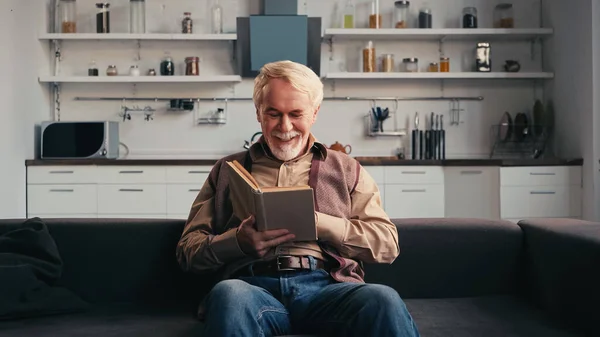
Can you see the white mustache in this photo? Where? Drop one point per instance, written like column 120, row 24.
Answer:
column 285, row 136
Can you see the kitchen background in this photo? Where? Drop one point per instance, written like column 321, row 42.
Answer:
column 177, row 135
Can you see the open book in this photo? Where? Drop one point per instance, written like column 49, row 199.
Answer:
column 291, row 208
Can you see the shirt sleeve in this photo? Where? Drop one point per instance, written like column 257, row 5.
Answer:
column 200, row 249
column 369, row 235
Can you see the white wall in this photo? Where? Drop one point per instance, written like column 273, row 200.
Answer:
column 596, row 113
column 175, row 135
column 23, row 100
column 571, row 55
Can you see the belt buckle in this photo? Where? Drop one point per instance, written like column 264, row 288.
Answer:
column 279, row 263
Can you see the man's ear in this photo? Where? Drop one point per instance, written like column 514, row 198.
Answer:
column 317, row 109
column 258, row 115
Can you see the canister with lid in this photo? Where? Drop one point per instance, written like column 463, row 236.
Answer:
column 504, row 16
column 483, row 55
column 401, row 14
column 192, row 66
column 411, row 64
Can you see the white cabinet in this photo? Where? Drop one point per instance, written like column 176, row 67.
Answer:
column 414, row 191
column 472, row 192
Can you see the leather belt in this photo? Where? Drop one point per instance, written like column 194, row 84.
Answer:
column 287, row 263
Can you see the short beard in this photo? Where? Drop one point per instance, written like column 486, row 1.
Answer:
column 288, row 151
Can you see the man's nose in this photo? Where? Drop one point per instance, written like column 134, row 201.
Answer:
column 286, row 124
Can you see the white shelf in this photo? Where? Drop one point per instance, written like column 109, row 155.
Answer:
column 150, row 37
column 426, row 75
column 489, row 34
column 141, row 79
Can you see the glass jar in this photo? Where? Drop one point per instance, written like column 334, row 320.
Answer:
column 401, row 14
column 469, row 17
column 68, row 16
column 444, row 64
column 425, row 17
column 151, row 72
column 112, row 70
column 217, row 18
column 349, row 13
column 504, row 16
column 134, row 70
column 137, row 16
column 187, row 24
column 433, row 67
column 375, row 17
column 387, row 63
column 368, row 54
column 191, row 66
column 411, row 65
column 93, row 69
column 103, row 18
column 167, row 67
column 483, row 55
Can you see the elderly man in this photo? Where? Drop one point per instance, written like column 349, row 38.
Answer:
column 322, row 290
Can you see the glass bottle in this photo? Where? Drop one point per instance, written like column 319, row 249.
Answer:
column 469, row 17
column 103, row 18
column 369, row 58
column 401, row 14
column 137, row 16
column 349, row 13
column 187, row 23
column 217, row 18
column 375, row 17
column 68, row 13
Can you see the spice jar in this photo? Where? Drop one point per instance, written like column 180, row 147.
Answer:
column 167, row 68
column 469, row 17
column 387, row 63
column 411, row 65
column 444, row 64
column 401, row 13
column 93, row 69
column 151, row 72
column 191, row 66
column 433, row 67
column 504, row 16
column 112, row 70
column 187, row 24
column 369, row 58
column 425, row 17
column 375, row 17
column 103, row 18
column 68, row 13
column 134, row 70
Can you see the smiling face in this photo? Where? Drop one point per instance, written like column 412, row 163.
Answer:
column 286, row 116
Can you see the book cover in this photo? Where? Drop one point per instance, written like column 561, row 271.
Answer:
column 291, row 208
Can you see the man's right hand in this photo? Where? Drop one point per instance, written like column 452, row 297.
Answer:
column 255, row 243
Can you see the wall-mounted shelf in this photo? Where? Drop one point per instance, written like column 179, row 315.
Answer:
column 141, row 79
column 432, row 75
column 148, row 37
column 489, row 34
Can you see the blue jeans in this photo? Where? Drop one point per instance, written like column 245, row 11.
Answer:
column 307, row 302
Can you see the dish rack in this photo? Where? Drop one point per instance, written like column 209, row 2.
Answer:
column 528, row 145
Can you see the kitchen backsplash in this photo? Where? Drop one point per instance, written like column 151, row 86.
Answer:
column 176, row 134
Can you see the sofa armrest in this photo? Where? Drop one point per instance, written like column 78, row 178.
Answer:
column 446, row 257
column 563, row 267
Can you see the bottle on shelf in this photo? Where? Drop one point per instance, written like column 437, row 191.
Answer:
column 93, row 69
column 217, row 18
column 368, row 56
column 375, row 17
column 103, row 18
column 137, row 16
column 401, row 13
column 349, row 13
column 425, row 17
column 187, row 24
column 469, row 17
column 68, row 13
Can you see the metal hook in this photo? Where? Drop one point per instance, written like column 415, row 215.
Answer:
column 395, row 105
column 373, row 103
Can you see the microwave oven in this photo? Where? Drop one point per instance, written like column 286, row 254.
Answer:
column 79, row 140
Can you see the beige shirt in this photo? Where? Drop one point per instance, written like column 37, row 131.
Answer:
column 368, row 235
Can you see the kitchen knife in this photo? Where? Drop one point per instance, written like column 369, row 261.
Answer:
column 415, row 135
column 436, row 138
column 443, row 137
column 428, row 127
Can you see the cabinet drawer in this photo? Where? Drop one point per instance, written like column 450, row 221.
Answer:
column 535, row 202
column 61, row 174
column 414, row 175
column 187, row 174
column 414, row 201
column 377, row 173
column 540, row 176
column 132, row 199
column 131, row 175
column 472, row 192
column 62, row 199
column 181, row 197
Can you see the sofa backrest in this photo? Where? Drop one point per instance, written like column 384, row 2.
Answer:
column 107, row 261
column 453, row 258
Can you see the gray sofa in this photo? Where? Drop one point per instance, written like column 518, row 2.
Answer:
column 459, row 277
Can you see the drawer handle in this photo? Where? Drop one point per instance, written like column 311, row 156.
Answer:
column 194, row 190
column 542, row 174
column 196, row 172
column 542, row 192
column 62, row 172
column 131, row 172
column 131, row 190
column 62, row 190
column 471, row 172
column 413, row 172
column 414, row 191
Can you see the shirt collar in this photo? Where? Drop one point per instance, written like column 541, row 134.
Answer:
column 260, row 148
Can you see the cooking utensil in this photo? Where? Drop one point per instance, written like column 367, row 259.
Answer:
column 427, row 138
column 521, row 127
column 415, row 135
column 443, row 138
column 505, row 128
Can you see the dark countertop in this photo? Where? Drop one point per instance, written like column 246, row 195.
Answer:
column 365, row 161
